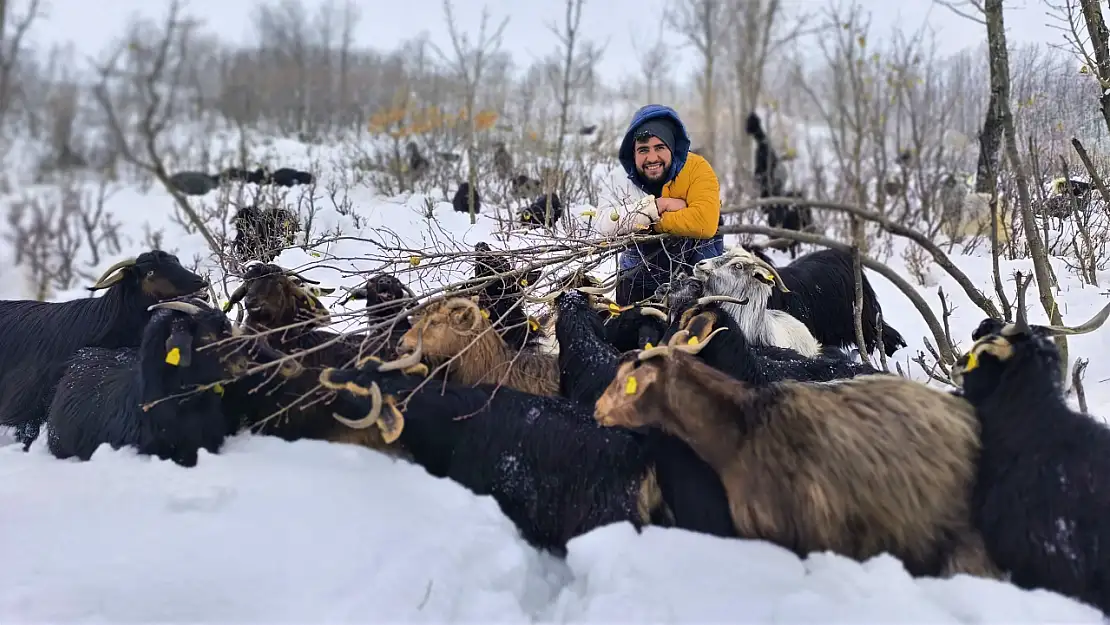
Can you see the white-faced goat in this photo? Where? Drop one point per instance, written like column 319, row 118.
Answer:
column 739, row 274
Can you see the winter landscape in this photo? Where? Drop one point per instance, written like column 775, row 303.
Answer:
column 891, row 137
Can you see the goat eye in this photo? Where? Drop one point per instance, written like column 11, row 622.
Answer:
column 150, row 274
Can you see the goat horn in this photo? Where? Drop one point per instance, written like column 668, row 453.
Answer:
column 709, row 299
column 236, row 297
column 653, row 312
column 185, row 307
column 695, row 347
column 466, row 302
column 595, row 290
column 1090, row 325
column 774, row 272
column 652, row 352
column 547, row 299
column 371, row 418
column 107, row 279
column 294, row 274
column 407, row 361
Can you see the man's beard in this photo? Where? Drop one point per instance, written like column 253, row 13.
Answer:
column 662, row 171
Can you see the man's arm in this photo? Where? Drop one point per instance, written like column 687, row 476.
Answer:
column 703, row 205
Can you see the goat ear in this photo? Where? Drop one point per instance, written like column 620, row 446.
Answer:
column 463, row 315
column 179, row 349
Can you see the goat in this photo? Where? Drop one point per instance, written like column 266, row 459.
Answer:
column 587, row 364
column 817, row 289
column 798, row 218
column 194, row 182
column 461, row 201
column 739, row 274
column 770, row 177
column 535, row 214
column 1042, row 498
column 506, row 443
column 631, row 327
column 458, row 333
column 502, row 160
column 163, row 398
column 522, row 186
column 858, row 467
column 37, row 338
column 757, row 365
column 385, row 297
column 418, row 166
column 502, row 294
column 262, row 233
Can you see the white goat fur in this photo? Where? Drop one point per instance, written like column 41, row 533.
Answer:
column 734, row 274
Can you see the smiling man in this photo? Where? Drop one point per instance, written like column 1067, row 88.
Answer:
column 678, row 195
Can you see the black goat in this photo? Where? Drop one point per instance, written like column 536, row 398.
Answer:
column 508, row 444
column 770, row 176
column 535, row 214
column 587, row 365
column 461, row 201
column 385, row 297
column 821, row 295
column 522, row 186
column 790, row 217
column 282, row 177
column 270, row 304
column 164, row 398
column 1042, row 497
column 632, row 327
column 262, row 233
column 502, row 160
column 502, row 296
column 37, row 338
column 418, row 166
column 194, row 182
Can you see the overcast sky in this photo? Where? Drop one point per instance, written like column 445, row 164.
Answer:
column 385, row 23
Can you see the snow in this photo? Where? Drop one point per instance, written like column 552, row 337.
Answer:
column 269, row 531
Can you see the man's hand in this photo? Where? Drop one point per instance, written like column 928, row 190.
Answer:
column 668, row 204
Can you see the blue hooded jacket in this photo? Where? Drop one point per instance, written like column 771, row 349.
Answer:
column 691, row 249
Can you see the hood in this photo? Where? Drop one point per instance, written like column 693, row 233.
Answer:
column 679, row 152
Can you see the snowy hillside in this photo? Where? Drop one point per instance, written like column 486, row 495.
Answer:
column 269, row 531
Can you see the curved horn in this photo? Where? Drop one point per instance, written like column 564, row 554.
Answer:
column 107, row 279
column 185, row 307
column 653, row 312
column 1090, row 325
column 407, row 361
column 236, row 297
column 709, row 299
column 652, row 352
column 774, row 272
column 694, row 348
column 547, row 299
column 595, row 290
column 294, row 274
column 371, row 418
column 466, row 302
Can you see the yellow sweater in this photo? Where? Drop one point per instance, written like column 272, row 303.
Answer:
column 697, row 184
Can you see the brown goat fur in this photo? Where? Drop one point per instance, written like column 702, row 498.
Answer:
column 860, row 467
column 456, row 332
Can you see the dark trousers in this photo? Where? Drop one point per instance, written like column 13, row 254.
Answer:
column 640, row 281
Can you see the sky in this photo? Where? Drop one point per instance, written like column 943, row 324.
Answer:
column 386, row 23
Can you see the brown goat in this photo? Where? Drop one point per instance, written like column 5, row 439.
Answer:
column 457, row 332
column 869, row 465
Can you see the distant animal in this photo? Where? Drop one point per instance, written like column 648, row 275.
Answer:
column 417, row 165
column 1064, row 197
column 262, row 233
column 164, row 398
column 859, row 467
column 798, row 218
column 511, row 445
column 535, row 214
column 770, row 177
column 587, row 130
column 37, row 338
column 522, row 186
column 817, row 289
column 1042, row 499
column 461, row 201
column 194, row 182
column 282, row 177
column 502, row 160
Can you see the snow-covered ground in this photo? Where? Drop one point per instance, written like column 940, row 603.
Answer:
column 269, row 531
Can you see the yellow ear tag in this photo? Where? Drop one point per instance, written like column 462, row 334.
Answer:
column 523, row 282
column 648, row 345
column 630, row 386
column 693, row 341
column 972, row 361
column 526, row 217
column 414, row 260
column 485, row 313
column 766, row 275
column 613, row 308
column 533, row 325
column 588, row 213
column 218, row 389
column 173, row 357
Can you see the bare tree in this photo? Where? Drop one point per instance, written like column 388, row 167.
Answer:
column 468, row 67
column 655, row 62
column 13, row 30
column 703, row 22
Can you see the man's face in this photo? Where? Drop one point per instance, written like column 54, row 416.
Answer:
column 653, row 158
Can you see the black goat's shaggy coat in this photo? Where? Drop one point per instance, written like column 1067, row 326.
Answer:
column 502, row 296
column 587, row 364
column 37, row 338
column 770, row 177
column 101, row 397
column 1042, row 501
column 385, row 298
column 194, row 182
column 633, row 329
column 822, row 296
column 262, row 233
column 461, row 201
column 514, row 446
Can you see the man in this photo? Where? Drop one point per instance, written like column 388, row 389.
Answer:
column 678, row 195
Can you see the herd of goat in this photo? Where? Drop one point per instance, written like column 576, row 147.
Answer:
column 727, row 404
